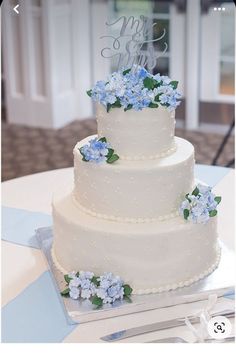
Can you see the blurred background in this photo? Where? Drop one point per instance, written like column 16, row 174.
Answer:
column 51, row 56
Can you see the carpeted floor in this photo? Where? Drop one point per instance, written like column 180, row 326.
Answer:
column 27, row 150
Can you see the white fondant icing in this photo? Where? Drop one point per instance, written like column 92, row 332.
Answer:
column 151, row 257
column 138, row 191
column 124, row 219
column 159, row 155
column 159, row 289
column 137, row 133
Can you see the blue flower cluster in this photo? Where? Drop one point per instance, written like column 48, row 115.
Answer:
column 110, row 288
column 81, row 285
column 98, row 150
column 105, row 289
column 200, row 205
column 136, row 88
column 95, row 151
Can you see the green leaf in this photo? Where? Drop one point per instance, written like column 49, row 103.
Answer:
column 89, row 93
column 195, row 191
column 65, row 292
column 129, row 106
column 127, row 290
column 117, row 104
column 217, row 199
column 113, row 158
column 67, row 279
column 149, row 82
column 110, row 153
column 97, row 301
column 153, row 105
column 83, row 159
column 109, row 106
column 186, row 196
column 126, row 71
column 95, row 280
column 127, row 298
column 103, row 139
column 186, row 213
column 157, row 97
column 213, row 213
column 174, row 84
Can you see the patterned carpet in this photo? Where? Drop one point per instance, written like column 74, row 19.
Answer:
column 27, row 150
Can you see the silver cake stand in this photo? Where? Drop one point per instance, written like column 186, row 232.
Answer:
column 220, row 282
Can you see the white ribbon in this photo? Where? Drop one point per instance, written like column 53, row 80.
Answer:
column 201, row 333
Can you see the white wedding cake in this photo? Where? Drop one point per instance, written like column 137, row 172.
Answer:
column 135, row 209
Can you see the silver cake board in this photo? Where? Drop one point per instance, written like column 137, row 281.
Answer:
column 221, row 281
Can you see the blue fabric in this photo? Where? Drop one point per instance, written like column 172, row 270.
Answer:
column 18, row 226
column 230, row 294
column 210, row 175
column 35, row 315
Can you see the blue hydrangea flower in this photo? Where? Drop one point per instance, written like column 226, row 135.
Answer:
column 95, row 151
column 128, row 90
column 81, row 286
column 199, row 204
column 88, row 288
column 204, row 189
column 72, row 274
column 83, row 275
column 75, row 282
column 165, row 79
column 142, row 73
column 210, row 201
column 110, row 288
column 74, row 292
column 199, row 212
column 157, row 77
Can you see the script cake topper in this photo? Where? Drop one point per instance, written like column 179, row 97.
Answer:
column 132, row 43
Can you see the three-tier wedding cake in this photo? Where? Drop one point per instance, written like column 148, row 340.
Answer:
column 135, row 209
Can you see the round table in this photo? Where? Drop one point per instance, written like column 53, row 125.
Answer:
column 34, row 193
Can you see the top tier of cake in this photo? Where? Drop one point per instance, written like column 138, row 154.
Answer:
column 136, row 113
column 138, row 135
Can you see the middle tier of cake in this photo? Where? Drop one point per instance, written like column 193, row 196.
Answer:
column 134, row 191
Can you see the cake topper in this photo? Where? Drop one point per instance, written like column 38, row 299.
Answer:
column 131, row 45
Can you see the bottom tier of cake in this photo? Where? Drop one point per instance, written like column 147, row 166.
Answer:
column 151, row 257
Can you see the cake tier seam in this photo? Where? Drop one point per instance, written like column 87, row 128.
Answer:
column 173, row 214
column 161, row 288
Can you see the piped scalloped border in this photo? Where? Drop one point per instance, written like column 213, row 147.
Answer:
column 156, row 156
column 165, row 288
column 123, row 219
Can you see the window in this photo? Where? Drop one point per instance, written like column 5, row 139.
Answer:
column 226, row 85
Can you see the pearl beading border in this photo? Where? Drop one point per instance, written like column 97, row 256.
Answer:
column 173, row 214
column 165, row 288
column 182, row 283
column 156, row 156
